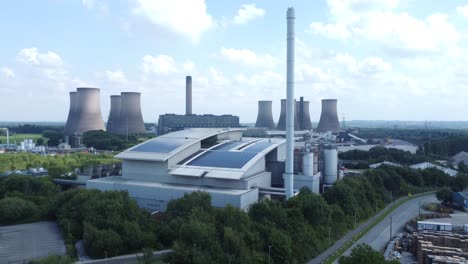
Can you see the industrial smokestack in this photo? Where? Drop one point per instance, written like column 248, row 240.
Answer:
column 72, row 115
column 88, row 115
column 131, row 120
column 113, row 123
column 290, row 113
column 265, row 115
column 282, row 120
column 303, row 116
column 188, row 95
column 329, row 117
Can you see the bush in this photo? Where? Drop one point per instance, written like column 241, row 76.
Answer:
column 16, row 209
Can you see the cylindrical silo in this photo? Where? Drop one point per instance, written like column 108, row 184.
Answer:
column 188, row 95
column 88, row 115
column 72, row 115
column 330, row 166
column 329, row 117
column 113, row 123
column 308, row 164
column 282, row 120
column 265, row 115
column 131, row 120
column 303, row 116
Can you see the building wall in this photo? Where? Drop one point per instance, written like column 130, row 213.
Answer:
column 144, row 170
column 171, row 122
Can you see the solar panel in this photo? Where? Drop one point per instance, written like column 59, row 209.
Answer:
column 229, row 145
column 163, row 145
column 258, row 147
column 223, row 159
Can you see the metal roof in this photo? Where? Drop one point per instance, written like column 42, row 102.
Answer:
column 163, row 147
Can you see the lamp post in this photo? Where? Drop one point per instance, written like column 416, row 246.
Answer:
column 269, row 253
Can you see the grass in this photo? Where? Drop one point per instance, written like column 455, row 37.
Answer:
column 20, row 138
column 364, row 231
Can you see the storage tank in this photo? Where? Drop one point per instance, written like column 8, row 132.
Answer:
column 308, row 164
column 330, row 166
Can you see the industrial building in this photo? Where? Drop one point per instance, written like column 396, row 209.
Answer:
column 171, row 122
column 232, row 169
column 329, row 117
column 84, row 114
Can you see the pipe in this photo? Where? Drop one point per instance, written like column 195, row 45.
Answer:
column 289, row 172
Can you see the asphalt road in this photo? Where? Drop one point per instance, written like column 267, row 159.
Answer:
column 379, row 236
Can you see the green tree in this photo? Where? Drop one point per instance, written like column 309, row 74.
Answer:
column 364, row 254
column 16, row 209
column 444, row 195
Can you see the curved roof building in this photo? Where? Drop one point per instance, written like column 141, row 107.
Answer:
column 216, row 160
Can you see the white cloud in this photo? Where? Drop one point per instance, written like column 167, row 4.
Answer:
column 162, row 64
column 97, row 5
column 88, row 3
column 397, row 32
column 463, row 10
column 248, row 13
column 188, row 18
column 117, row 76
column 7, row 72
column 249, row 57
column 188, row 66
column 374, row 65
column 34, row 57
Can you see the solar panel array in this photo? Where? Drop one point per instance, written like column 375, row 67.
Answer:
column 161, row 145
column 258, row 147
column 223, row 159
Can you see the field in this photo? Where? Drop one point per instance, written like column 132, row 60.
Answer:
column 19, row 138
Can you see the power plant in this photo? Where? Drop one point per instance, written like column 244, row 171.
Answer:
column 113, row 122
column 265, row 115
column 282, row 120
column 131, row 120
column 85, row 112
column 329, row 117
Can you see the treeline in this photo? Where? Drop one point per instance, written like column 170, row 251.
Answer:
column 104, row 140
column 292, row 231
column 447, row 147
column 379, row 153
column 57, row 165
column 415, row 136
column 33, row 129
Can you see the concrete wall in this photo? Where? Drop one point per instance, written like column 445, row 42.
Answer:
column 144, row 170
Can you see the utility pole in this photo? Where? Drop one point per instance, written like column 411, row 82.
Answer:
column 419, row 207
column 391, row 227
column 354, row 220
column 329, row 241
column 269, row 253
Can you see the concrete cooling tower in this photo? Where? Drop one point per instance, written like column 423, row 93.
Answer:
column 303, row 116
column 282, row 120
column 88, row 112
column 265, row 115
column 72, row 114
column 131, row 120
column 329, row 117
column 113, row 122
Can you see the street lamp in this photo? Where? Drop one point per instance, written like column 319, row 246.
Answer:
column 269, row 252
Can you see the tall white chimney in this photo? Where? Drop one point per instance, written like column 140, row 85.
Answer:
column 289, row 171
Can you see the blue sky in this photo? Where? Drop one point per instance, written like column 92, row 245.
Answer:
column 386, row 60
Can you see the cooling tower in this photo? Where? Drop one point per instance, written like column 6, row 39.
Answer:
column 88, row 115
column 282, row 120
column 131, row 120
column 329, row 117
column 303, row 116
column 113, row 122
column 188, row 95
column 72, row 114
column 265, row 115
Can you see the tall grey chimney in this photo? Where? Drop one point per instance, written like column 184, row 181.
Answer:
column 188, row 95
column 290, row 113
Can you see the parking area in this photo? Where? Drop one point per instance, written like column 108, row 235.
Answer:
column 22, row 243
